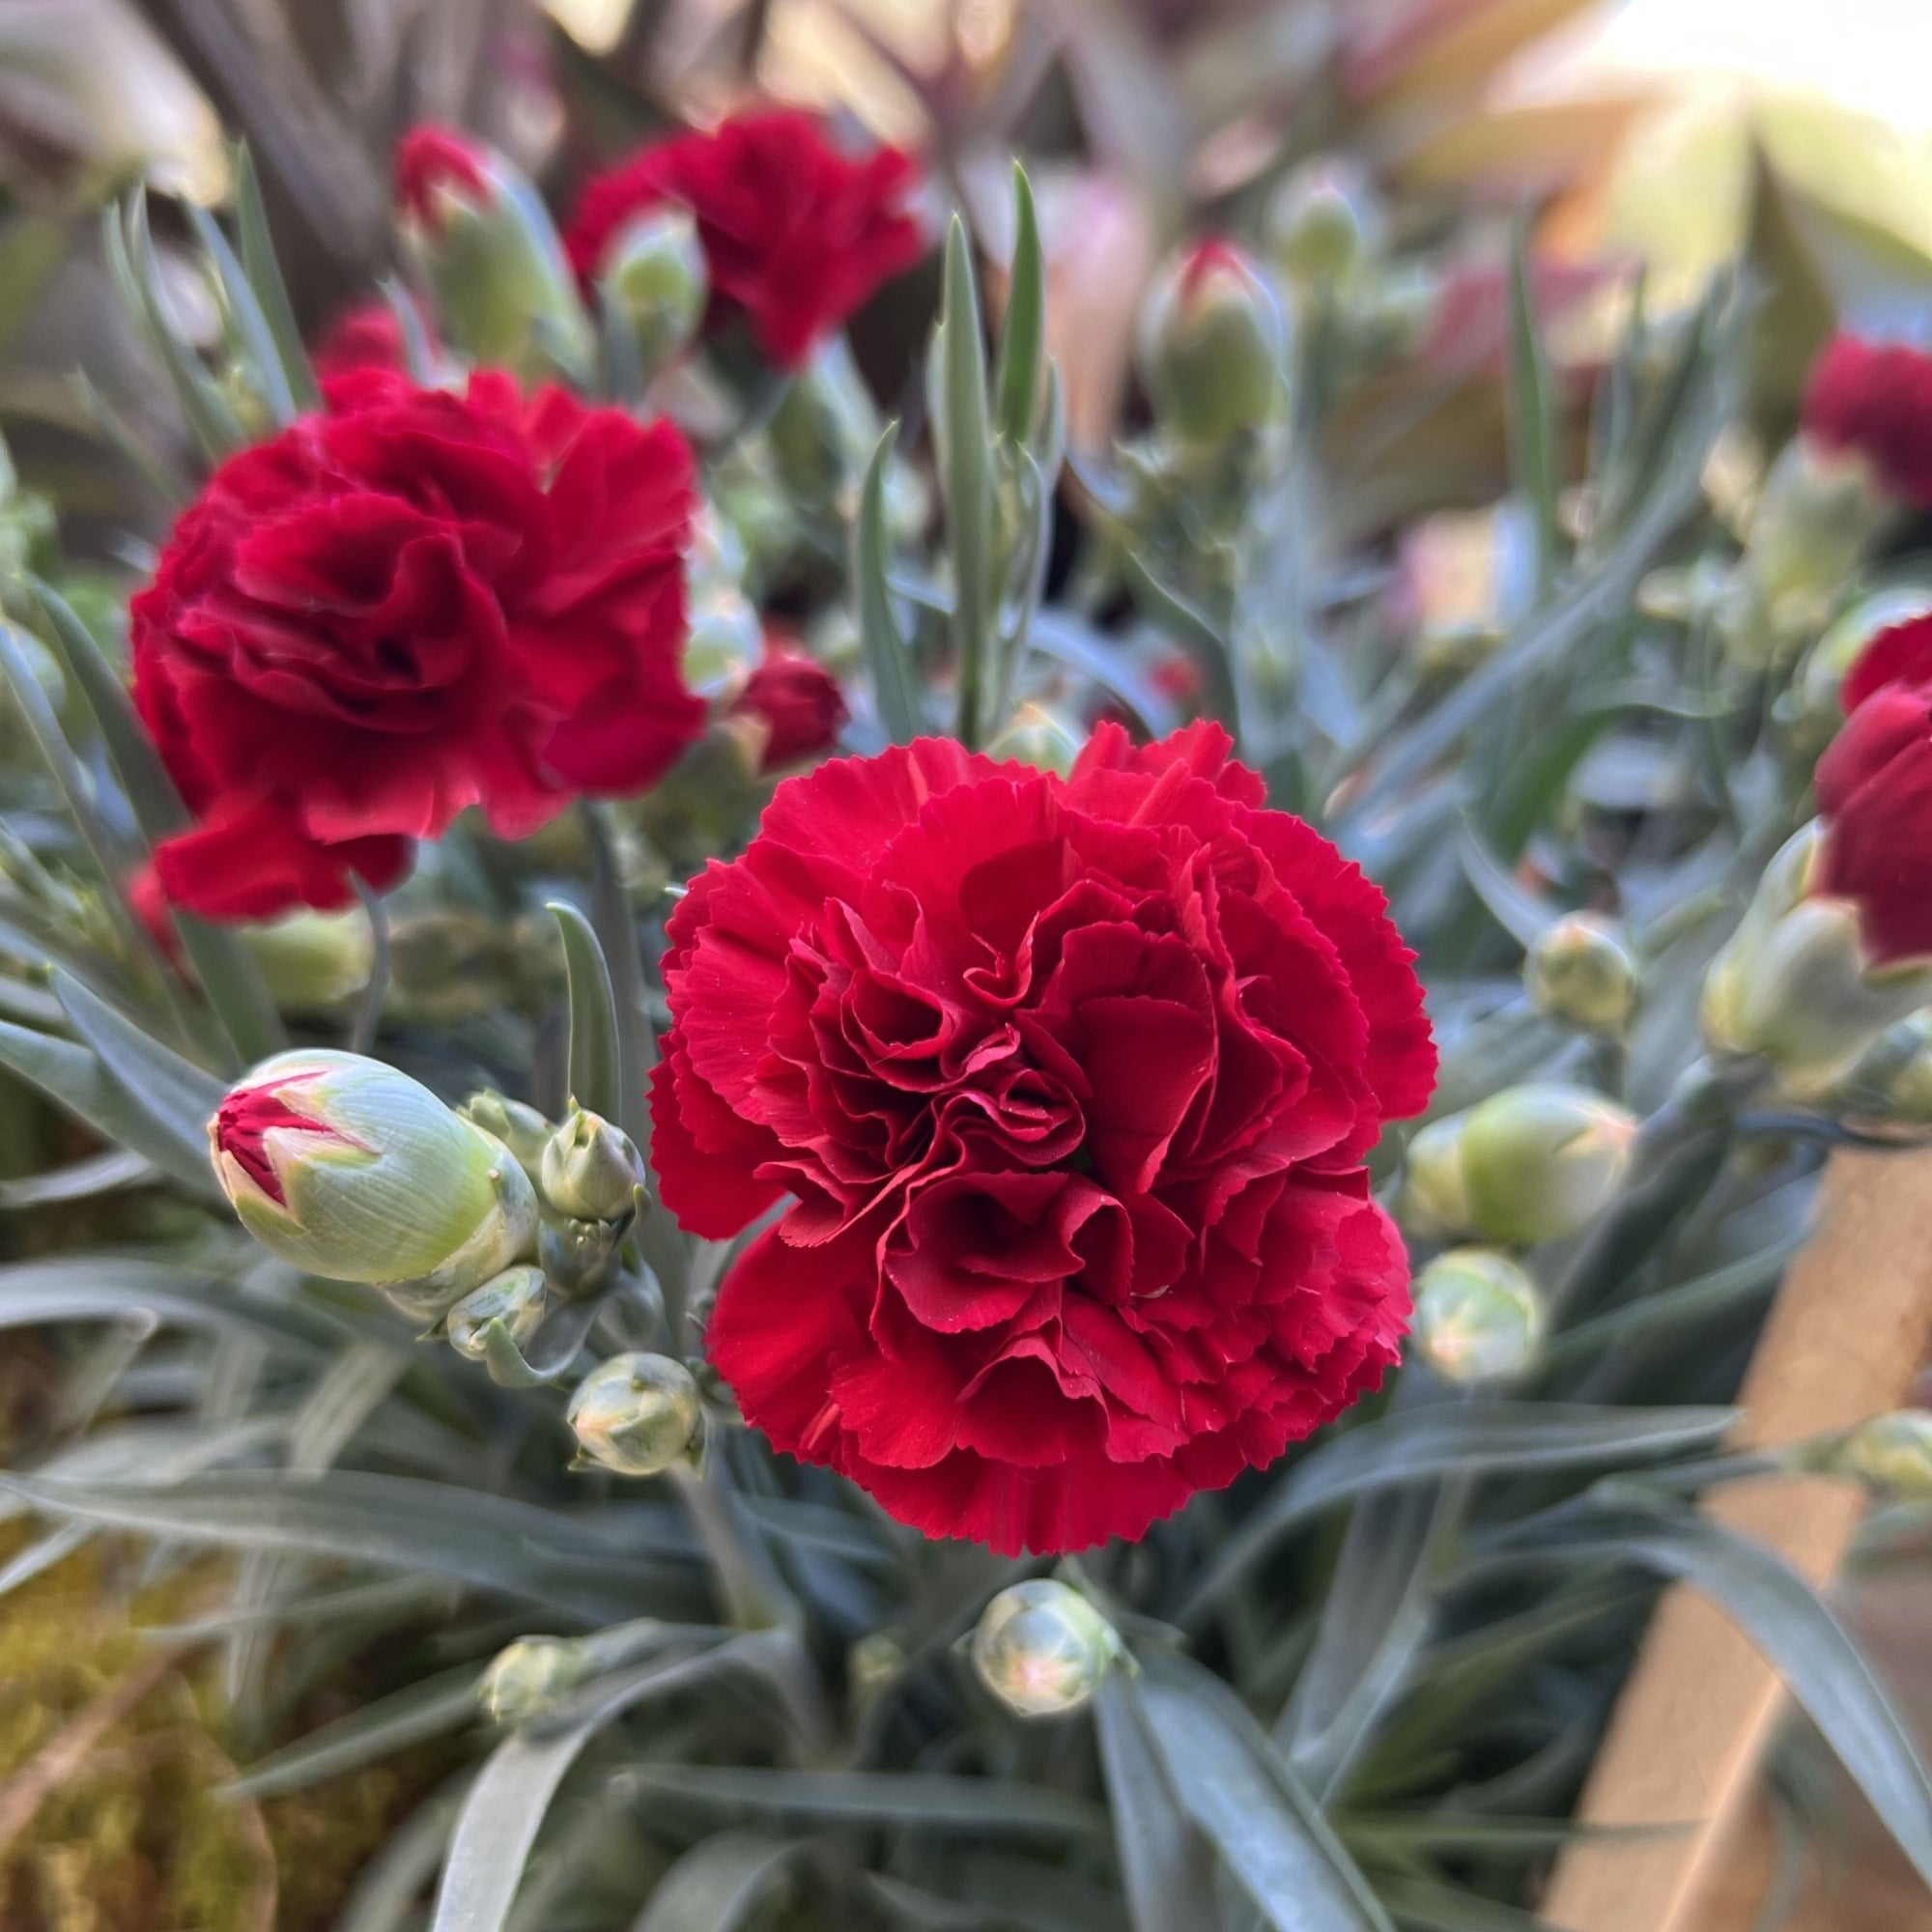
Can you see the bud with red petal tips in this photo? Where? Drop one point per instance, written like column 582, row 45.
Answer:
column 1875, row 399
column 1214, row 346
column 504, row 293
column 349, row 1169
column 798, row 703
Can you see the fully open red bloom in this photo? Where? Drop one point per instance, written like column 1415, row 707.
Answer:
column 408, row 604
column 1071, row 1081
column 1874, row 791
column 1876, row 398
column 797, row 700
column 795, row 234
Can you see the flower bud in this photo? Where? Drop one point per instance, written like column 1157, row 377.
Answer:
column 525, row 1678
column 1040, row 738
column 1816, row 515
column 1041, row 1648
column 575, row 1256
column 823, row 434
column 1811, row 706
column 348, row 1169
column 512, row 1302
column 1890, row 1452
column 313, row 962
column 654, row 277
column 1794, row 986
column 1324, row 221
column 591, row 1169
column 797, row 704
column 1582, row 971
column 503, row 291
column 1213, row 346
column 637, row 1415
column 1477, row 1316
column 522, row 1129
column 1904, row 1088
column 1532, row 1163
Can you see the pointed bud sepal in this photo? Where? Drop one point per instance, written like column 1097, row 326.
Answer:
column 637, row 1415
column 510, row 1305
column 1478, row 1315
column 345, row 1168
column 1041, row 1648
column 526, row 1678
column 519, row 1127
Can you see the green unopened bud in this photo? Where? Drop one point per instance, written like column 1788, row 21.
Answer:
column 1582, row 970
column 510, row 1303
column 591, row 1169
column 637, row 1415
column 345, row 1168
column 1041, row 1648
column 823, row 434
column 521, row 1128
column 1477, row 1316
column 1890, row 1452
column 1324, row 221
column 314, row 961
column 1532, row 1163
column 524, row 1679
column 1904, row 1080
column 487, row 246
column 1038, row 737
column 655, row 277
column 1794, row 987
column 1213, row 346
column 1818, row 512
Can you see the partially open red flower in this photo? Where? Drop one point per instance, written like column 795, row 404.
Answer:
column 411, row 603
column 365, row 335
column 796, row 234
column 1875, row 398
column 1874, row 791
column 432, row 160
column 797, row 700
column 1070, row 1081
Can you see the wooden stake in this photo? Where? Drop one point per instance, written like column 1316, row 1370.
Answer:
column 1846, row 1340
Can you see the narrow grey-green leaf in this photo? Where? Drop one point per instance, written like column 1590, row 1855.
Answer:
column 1466, row 1438
column 180, row 1097
column 83, row 1180
column 1531, row 410
column 1517, row 911
column 1794, row 1627
column 72, row 1077
column 1194, row 631
column 716, row 1885
column 426, row 1709
column 113, row 1287
column 385, row 1894
column 928, row 1801
column 1427, row 1906
column 895, row 688
column 1110, row 666
column 1023, row 333
column 209, row 412
column 228, row 974
column 246, row 316
column 966, row 482
column 616, row 929
column 265, row 277
column 506, row 1804
column 596, row 1077
column 1241, row 1793
column 1166, row 1868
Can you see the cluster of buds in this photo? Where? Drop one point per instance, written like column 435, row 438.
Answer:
column 1889, row 1453
column 1478, row 1315
column 1797, row 986
column 1532, row 1163
column 1041, row 1648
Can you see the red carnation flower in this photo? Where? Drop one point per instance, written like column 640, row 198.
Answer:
column 795, row 234
column 1875, row 398
column 1071, row 1082
column 799, row 703
column 411, row 603
column 365, row 335
column 1874, row 791
column 430, row 161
